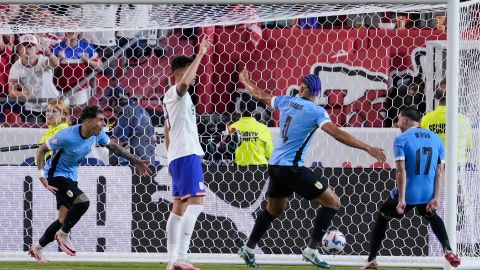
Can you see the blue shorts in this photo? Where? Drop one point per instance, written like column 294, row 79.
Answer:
column 187, row 177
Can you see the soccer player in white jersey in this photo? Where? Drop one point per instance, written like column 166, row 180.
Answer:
column 184, row 155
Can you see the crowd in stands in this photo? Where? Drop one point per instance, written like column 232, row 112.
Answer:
column 35, row 68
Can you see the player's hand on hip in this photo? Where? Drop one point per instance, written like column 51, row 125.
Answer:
column 377, row 153
column 142, row 167
column 47, row 186
column 401, row 207
column 432, row 206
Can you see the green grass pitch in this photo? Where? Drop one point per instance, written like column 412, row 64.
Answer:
column 156, row 266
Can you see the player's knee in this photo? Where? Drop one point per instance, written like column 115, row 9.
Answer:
column 61, row 217
column 333, row 202
column 336, row 204
column 62, row 213
column 275, row 211
column 84, row 205
column 276, row 208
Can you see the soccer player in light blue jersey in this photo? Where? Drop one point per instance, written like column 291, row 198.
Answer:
column 300, row 117
column 59, row 175
column 419, row 157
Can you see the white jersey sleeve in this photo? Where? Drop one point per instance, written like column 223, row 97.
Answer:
column 181, row 117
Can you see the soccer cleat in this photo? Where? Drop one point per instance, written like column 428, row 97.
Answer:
column 248, row 257
column 36, row 252
column 453, row 259
column 313, row 256
column 183, row 266
column 65, row 243
column 370, row 265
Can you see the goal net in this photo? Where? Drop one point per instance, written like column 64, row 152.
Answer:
column 372, row 60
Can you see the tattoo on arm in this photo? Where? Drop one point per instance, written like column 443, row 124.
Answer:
column 41, row 156
column 121, row 152
column 40, row 163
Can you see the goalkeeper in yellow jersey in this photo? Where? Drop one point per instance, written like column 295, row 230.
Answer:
column 58, row 118
column 437, row 119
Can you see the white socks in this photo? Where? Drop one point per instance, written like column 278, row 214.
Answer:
column 179, row 232
column 173, row 233
column 187, row 225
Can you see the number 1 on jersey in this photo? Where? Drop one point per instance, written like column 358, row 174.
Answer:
column 285, row 128
column 426, row 151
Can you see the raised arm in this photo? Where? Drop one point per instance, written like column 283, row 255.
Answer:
column 53, row 61
column 257, row 92
column 141, row 165
column 347, row 139
column 191, row 72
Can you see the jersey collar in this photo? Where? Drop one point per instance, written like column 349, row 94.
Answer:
column 80, row 132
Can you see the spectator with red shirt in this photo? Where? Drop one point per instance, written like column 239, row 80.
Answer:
column 77, row 60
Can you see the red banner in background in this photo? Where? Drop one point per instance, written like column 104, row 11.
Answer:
column 355, row 65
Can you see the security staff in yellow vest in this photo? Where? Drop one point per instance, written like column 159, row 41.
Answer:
column 436, row 121
column 256, row 144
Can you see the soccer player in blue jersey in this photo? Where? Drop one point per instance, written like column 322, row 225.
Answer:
column 420, row 157
column 59, row 175
column 300, row 117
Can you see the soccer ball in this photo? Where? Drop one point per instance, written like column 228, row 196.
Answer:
column 333, row 242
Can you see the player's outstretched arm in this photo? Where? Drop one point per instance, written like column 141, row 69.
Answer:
column 347, row 139
column 257, row 92
column 40, row 166
column 191, row 72
column 433, row 204
column 141, row 165
column 401, row 179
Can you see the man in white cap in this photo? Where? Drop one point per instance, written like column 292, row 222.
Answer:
column 31, row 77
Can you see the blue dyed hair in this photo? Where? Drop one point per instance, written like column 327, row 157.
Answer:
column 314, row 84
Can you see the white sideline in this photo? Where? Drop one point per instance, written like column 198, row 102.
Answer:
column 341, row 260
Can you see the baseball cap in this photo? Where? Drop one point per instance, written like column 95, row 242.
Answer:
column 314, row 84
column 30, row 39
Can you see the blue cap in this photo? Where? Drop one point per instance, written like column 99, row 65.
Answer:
column 314, row 84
